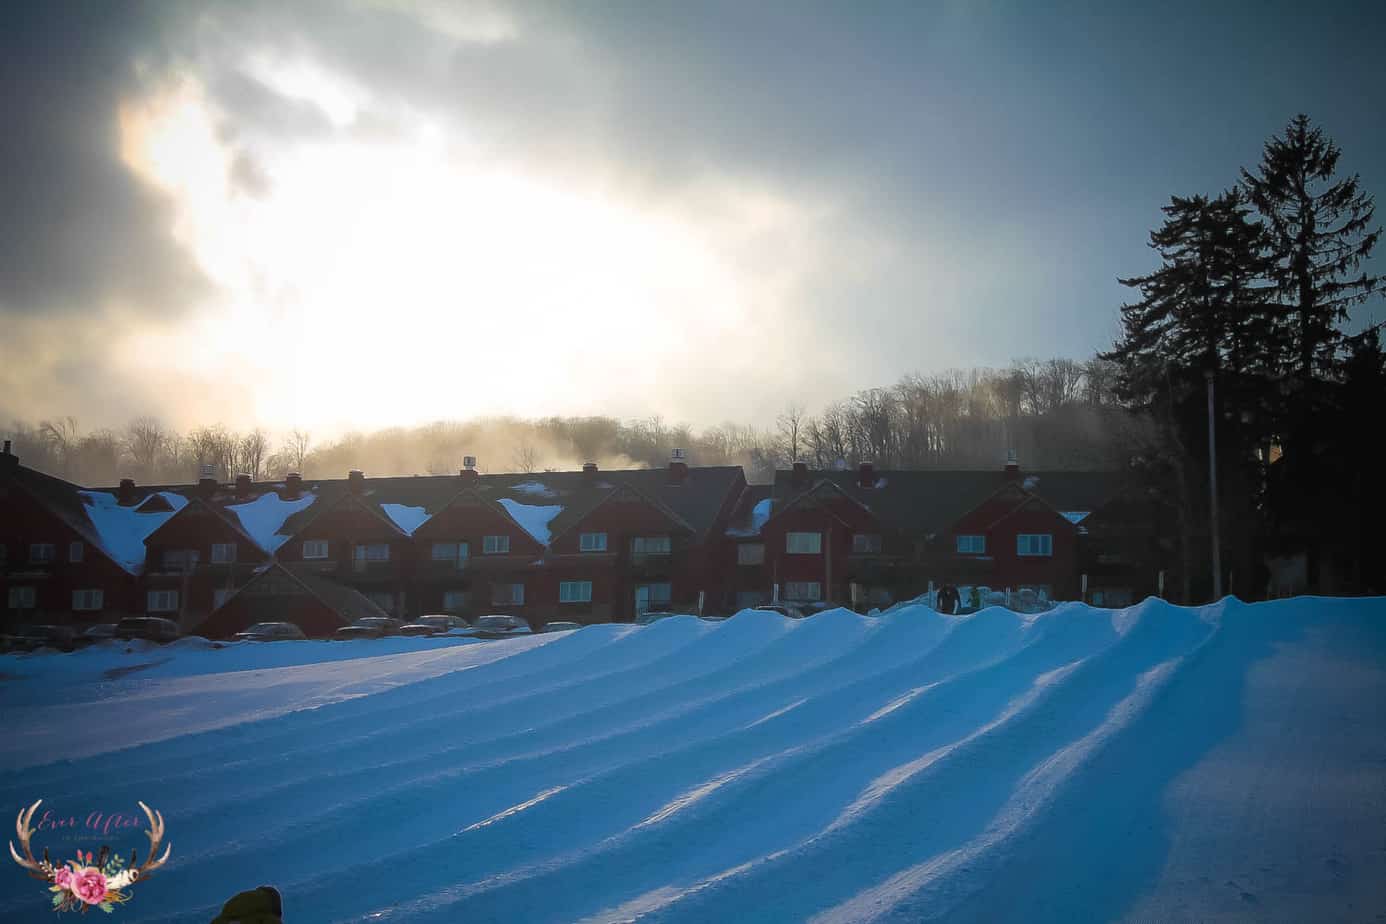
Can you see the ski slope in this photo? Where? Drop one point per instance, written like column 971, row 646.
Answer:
column 1154, row 763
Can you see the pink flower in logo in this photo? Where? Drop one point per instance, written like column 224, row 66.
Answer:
column 62, row 878
column 89, row 885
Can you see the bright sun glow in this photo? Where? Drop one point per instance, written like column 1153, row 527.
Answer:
column 383, row 283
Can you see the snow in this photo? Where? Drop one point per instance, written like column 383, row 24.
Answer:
column 1151, row 763
column 533, row 518
column 759, row 514
column 405, row 517
column 1076, row 516
column 534, row 488
column 122, row 531
column 263, row 517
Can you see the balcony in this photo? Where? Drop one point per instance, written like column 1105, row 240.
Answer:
column 657, row 564
column 371, row 568
column 443, row 567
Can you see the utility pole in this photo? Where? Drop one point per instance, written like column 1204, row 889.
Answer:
column 1213, row 489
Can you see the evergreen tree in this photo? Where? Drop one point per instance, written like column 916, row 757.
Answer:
column 1320, row 233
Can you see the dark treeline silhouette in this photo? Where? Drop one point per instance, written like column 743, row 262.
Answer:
column 1057, row 413
column 1253, row 293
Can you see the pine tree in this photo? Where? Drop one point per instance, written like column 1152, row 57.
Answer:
column 1320, row 233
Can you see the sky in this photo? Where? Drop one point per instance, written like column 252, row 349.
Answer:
column 348, row 215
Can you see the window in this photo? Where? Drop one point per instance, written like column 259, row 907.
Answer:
column 163, row 601
column 22, row 598
column 1033, row 544
column 507, row 594
column 76, row 551
column 574, row 591
column 41, row 552
column 804, row 543
column 180, row 559
column 745, row 599
column 375, row 551
column 866, row 544
column 383, row 599
column 219, row 597
column 750, row 553
column 650, row 596
column 450, row 551
column 315, row 548
column 972, row 545
column 803, row 590
column 223, row 552
column 454, row 600
column 649, row 545
column 87, row 599
column 592, row 542
column 495, row 545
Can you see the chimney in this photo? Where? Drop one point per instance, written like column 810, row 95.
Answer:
column 242, row 486
column 126, row 495
column 206, row 480
column 294, row 483
column 678, row 467
column 8, row 460
column 1012, row 466
column 356, row 480
column 468, row 472
column 866, row 475
column 799, row 479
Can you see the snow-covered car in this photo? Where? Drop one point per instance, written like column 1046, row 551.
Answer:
column 149, row 628
column 101, row 632
column 649, row 616
column 440, row 624
column 784, row 609
column 368, row 627
column 32, row 638
column 562, row 626
column 271, row 632
column 500, row 625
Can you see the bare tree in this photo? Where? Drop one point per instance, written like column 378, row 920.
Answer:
column 525, row 458
column 790, row 433
column 296, row 448
column 145, row 442
column 254, row 450
column 59, row 437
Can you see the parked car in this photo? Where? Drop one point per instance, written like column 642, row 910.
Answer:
column 440, row 624
column 500, row 625
column 562, row 626
column 271, row 632
column 368, row 627
column 149, row 628
column 784, row 609
column 32, row 638
column 649, row 616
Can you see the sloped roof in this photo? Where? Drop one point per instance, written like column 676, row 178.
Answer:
column 927, row 502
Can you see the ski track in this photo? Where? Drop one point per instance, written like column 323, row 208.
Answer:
column 1080, row 764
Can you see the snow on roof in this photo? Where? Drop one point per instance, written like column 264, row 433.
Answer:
column 263, row 517
column 405, row 517
column 122, row 529
column 535, row 518
column 1076, row 516
column 759, row 514
column 535, row 488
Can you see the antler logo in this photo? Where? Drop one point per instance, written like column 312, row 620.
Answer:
column 88, row 882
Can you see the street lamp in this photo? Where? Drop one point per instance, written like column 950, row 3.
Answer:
column 1213, row 488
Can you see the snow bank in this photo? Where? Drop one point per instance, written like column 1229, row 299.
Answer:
column 533, row 518
column 405, row 517
column 759, row 514
column 263, row 517
column 1152, row 763
column 122, row 530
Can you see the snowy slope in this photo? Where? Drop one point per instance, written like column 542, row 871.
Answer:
column 1155, row 763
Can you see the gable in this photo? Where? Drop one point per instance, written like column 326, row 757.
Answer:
column 469, row 516
column 193, row 526
column 826, row 499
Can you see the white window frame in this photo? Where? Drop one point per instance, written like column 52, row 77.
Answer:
column 495, row 545
column 316, row 549
column 866, row 543
column 86, row 601
column 750, row 553
column 807, row 591
column 574, row 591
column 41, row 553
column 23, row 598
column 664, row 598
column 514, row 599
column 76, row 551
column 592, row 542
column 180, row 559
column 222, row 557
column 644, row 546
column 1034, row 545
column 800, row 543
column 161, row 601
column 371, row 551
column 450, row 551
column 970, row 544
